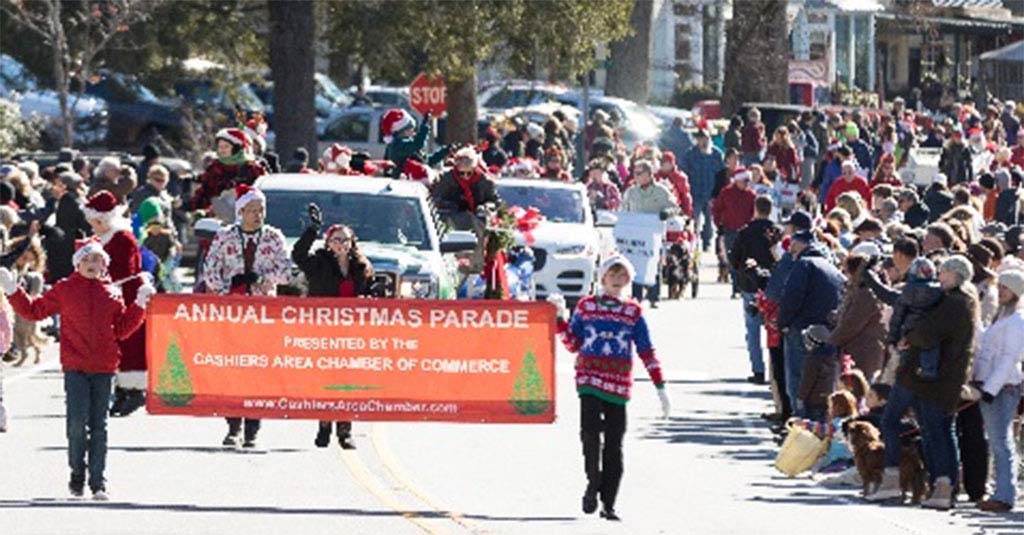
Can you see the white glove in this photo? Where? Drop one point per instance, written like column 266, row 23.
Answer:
column 146, row 291
column 560, row 307
column 8, row 281
column 666, row 405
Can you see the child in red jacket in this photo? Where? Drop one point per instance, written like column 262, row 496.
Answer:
column 93, row 319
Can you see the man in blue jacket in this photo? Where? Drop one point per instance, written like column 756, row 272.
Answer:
column 812, row 291
column 701, row 164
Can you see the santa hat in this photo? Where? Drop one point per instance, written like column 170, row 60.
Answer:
column 612, row 261
column 235, row 136
column 245, row 194
column 394, row 121
column 84, row 248
column 741, row 173
column 336, row 157
column 102, row 205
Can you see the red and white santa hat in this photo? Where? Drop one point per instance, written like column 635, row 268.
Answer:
column 245, row 194
column 741, row 173
column 84, row 248
column 235, row 136
column 336, row 157
column 256, row 128
column 394, row 121
column 102, row 205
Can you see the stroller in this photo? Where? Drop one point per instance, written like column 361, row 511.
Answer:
column 680, row 257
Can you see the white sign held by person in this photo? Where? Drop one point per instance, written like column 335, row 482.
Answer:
column 638, row 237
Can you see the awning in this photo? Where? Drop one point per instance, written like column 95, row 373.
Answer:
column 976, row 24
column 968, row 4
column 1013, row 52
column 846, row 5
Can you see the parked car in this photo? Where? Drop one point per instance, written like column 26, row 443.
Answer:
column 327, row 98
column 567, row 245
column 667, row 114
column 385, row 96
column 358, row 127
column 91, row 115
column 393, row 219
column 517, row 94
column 540, row 113
column 774, row 115
column 137, row 116
column 635, row 124
column 205, row 93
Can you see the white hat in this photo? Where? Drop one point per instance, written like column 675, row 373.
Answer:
column 615, row 260
column 84, row 248
column 467, row 152
column 535, row 130
column 940, row 178
column 1013, row 280
column 960, row 265
column 868, row 248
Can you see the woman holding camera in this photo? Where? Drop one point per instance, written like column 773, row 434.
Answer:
column 339, row 269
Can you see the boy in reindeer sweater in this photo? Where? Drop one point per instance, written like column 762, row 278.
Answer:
column 93, row 320
column 603, row 330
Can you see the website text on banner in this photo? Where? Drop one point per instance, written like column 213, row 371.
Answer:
column 358, row 359
column 638, row 237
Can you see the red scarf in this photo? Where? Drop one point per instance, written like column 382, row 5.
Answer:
column 467, row 187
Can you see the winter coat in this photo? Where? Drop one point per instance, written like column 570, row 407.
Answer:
column 950, row 326
column 604, row 195
column 494, row 157
column 752, row 139
column 1000, row 354
column 449, row 195
column 702, row 168
column 676, row 141
column 401, row 148
column 780, row 274
column 1008, row 207
column 219, row 177
column 818, row 377
column 859, row 330
column 812, row 290
column 322, row 271
column 1010, row 125
column 939, row 202
column 811, row 147
column 786, row 160
column 681, row 187
column 955, row 163
column 863, row 153
column 751, row 243
column 917, row 216
column 841, row 186
column 93, row 319
column 125, row 261
column 224, row 260
column 733, row 208
column 652, row 199
column 733, row 139
column 829, row 176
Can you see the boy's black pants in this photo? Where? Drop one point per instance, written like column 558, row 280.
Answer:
column 602, row 464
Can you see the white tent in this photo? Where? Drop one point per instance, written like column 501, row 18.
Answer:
column 1002, row 71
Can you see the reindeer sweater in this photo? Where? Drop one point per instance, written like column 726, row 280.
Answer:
column 603, row 331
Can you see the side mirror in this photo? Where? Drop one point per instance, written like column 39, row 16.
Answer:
column 606, row 219
column 458, row 241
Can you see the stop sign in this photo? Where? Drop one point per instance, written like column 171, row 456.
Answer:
column 427, row 95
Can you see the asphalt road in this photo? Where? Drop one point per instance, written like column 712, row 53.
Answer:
column 706, row 470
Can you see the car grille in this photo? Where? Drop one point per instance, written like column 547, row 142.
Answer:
column 385, row 284
column 540, row 257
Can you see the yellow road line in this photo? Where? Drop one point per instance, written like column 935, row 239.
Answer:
column 363, row 476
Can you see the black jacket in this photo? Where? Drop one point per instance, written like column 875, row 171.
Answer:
column 321, row 268
column 939, row 202
column 752, row 242
column 1008, row 210
column 448, row 194
column 917, row 216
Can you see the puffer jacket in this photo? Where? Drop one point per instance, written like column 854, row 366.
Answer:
column 859, row 330
column 812, row 291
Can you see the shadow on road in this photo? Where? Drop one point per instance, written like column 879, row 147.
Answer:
column 188, row 449
column 51, row 503
column 710, row 430
column 983, row 523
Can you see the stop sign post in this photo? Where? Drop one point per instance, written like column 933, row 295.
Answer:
column 427, row 94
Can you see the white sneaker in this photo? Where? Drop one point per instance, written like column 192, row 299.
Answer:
column 100, row 496
column 889, row 489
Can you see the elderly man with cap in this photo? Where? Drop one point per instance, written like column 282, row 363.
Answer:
column 849, row 180
column 701, row 165
column 811, row 292
column 246, row 258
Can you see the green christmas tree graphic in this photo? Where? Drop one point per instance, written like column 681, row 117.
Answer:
column 174, row 384
column 529, row 394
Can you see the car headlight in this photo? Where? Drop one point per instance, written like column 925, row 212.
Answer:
column 416, row 288
column 572, row 250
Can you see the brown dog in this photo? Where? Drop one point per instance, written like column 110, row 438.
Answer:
column 912, row 472
column 868, row 453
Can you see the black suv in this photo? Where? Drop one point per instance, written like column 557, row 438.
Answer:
column 137, row 116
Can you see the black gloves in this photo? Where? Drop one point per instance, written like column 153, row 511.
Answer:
column 316, row 217
column 987, row 398
column 245, row 279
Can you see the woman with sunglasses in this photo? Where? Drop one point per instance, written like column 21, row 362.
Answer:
column 338, row 269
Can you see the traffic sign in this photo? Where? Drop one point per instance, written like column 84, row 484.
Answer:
column 427, row 94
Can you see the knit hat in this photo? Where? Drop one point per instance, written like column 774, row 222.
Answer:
column 245, row 194
column 235, row 136
column 741, row 173
column 869, row 249
column 84, row 248
column 922, row 269
column 615, row 260
column 467, row 152
column 1013, row 280
column 102, row 205
column 960, row 265
column 394, row 121
column 852, row 129
column 149, row 210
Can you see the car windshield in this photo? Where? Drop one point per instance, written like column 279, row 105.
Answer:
column 374, row 218
column 332, row 91
column 15, row 77
column 560, row 205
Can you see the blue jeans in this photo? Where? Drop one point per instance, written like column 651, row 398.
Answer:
column 87, row 398
column 753, row 324
column 998, row 417
column 703, row 223
column 938, row 439
column 750, row 158
column 795, row 355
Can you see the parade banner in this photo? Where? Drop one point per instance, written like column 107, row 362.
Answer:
column 351, row 359
column 638, row 237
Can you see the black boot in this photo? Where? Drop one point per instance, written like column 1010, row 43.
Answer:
column 756, row 378
column 120, row 402
column 609, row 514
column 589, row 503
column 134, row 400
column 323, row 436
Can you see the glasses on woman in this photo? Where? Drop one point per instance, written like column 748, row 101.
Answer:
column 338, row 239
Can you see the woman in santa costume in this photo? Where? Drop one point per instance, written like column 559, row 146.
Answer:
column 235, row 164
column 247, row 258
column 114, row 232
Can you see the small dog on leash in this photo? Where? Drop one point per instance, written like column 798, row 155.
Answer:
column 27, row 337
column 869, row 457
column 676, row 271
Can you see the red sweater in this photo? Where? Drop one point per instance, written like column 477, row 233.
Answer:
column 841, row 186
column 93, row 319
column 681, row 186
column 733, row 208
column 786, row 160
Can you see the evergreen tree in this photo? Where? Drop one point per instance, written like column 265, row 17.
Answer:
column 530, row 394
column 174, row 384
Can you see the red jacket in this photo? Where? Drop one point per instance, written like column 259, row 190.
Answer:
column 93, row 319
column 733, row 208
column 752, row 137
column 786, row 160
column 681, row 186
column 125, row 261
column 841, row 186
column 219, row 177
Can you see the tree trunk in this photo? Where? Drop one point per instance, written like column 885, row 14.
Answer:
column 756, row 55
column 292, row 31
column 60, row 74
column 628, row 74
column 461, row 100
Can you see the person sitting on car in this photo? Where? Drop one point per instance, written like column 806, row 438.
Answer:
column 235, row 164
column 465, row 188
